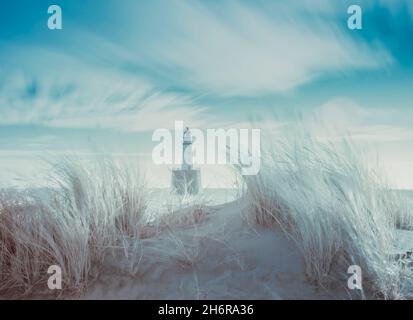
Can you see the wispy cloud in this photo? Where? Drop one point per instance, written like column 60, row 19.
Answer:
column 238, row 49
column 145, row 73
column 71, row 94
column 343, row 117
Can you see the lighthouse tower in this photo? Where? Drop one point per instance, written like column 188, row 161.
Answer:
column 186, row 180
column 187, row 150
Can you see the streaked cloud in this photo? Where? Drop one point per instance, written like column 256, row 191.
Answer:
column 343, row 117
column 71, row 94
column 240, row 49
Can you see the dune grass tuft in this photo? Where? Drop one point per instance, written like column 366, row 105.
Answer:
column 337, row 209
column 91, row 208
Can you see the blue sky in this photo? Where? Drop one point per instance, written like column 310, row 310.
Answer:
column 120, row 69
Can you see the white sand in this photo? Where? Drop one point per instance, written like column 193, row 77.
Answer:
column 223, row 257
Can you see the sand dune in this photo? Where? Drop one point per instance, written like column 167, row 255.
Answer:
column 223, row 257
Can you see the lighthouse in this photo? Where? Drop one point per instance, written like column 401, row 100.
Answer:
column 187, row 179
column 187, row 150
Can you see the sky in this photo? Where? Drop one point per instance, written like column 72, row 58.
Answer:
column 118, row 70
